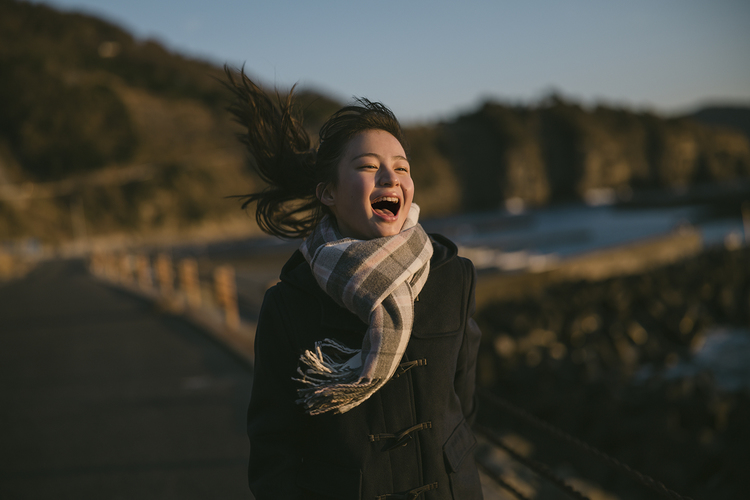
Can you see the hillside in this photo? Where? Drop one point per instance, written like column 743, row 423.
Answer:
column 80, row 96
column 104, row 134
column 559, row 151
column 101, row 133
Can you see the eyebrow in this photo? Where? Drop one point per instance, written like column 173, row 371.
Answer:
column 397, row 157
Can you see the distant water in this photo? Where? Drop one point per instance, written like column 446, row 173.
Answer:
column 566, row 230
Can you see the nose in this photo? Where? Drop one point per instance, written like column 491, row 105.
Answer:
column 388, row 177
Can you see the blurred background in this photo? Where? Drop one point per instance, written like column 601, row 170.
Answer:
column 591, row 158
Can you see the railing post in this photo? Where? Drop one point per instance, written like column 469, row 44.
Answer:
column 125, row 268
column 226, row 295
column 165, row 274
column 189, row 282
column 143, row 272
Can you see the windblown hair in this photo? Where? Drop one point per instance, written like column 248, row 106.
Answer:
column 284, row 157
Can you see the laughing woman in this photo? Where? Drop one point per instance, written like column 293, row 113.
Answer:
column 365, row 352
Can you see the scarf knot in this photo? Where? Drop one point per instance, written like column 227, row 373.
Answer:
column 378, row 281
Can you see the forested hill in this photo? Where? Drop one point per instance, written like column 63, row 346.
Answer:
column 63, row 111
column 558, row 150
column 67, row 80
column 103, row 133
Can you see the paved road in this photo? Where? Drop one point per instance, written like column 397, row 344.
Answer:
column 102, row 397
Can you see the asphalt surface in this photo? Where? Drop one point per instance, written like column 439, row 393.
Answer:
column 104, row 397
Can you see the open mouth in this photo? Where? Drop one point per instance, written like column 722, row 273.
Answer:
column 387, row 206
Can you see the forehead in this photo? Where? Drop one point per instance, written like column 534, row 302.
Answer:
column 377, row 143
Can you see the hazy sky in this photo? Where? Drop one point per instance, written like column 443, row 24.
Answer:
column 432, row 59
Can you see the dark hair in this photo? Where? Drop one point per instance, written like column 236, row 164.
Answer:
column 284, row 158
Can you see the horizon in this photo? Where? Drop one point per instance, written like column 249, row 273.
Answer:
column 669, row 58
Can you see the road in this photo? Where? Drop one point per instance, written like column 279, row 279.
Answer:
column 104, row 397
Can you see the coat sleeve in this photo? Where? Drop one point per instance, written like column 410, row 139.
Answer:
column 466, row 372
column 275, row 423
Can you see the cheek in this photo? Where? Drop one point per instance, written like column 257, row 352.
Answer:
column 346, row 185
column 354, row 193
column 408, row 187
column 355, row 190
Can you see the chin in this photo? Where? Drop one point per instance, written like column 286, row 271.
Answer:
column 384, row 234
column 389, row 230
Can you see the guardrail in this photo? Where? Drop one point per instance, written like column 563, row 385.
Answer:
column 177, row 288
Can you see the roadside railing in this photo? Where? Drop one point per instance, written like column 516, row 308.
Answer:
column 178, row 289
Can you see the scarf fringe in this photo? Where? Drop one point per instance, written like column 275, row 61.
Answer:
column 321, row 397
column 329, row 365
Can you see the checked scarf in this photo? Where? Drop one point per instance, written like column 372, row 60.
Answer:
column 378, row 281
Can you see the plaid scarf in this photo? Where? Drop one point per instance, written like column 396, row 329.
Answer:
column 378, row 281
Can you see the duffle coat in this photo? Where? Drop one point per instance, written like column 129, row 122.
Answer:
column 412, row 439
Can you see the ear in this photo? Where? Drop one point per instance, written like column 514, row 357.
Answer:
column 325, row 194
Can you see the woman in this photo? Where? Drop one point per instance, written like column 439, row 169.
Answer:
column 365, row 350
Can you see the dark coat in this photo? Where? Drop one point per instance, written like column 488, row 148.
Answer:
column 413, row 433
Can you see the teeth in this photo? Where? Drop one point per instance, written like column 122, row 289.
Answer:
column 391, row 199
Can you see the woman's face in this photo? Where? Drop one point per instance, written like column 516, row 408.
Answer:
column 374, row 190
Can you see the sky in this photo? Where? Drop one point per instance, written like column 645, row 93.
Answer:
column 430, row 60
